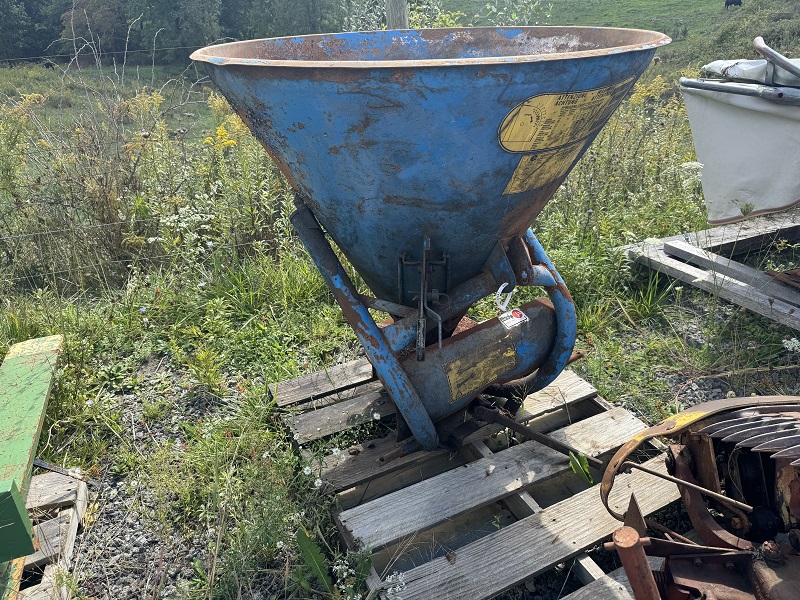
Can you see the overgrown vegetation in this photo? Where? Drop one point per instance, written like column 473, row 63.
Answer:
column 141, row 220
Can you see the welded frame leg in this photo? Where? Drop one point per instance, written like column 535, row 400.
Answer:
column 387, row 367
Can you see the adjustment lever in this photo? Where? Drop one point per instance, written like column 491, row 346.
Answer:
column 493, row 415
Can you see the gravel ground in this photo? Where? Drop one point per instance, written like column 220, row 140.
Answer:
column 124, row 555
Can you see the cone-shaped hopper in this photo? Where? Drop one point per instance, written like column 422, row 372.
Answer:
column 426, row 155
column 458, row 135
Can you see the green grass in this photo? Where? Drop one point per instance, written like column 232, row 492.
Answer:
column 702, row 30
column 169, row 264
column 699, row 16
column 65, row 90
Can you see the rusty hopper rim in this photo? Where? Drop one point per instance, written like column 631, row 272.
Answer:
column 227, row 54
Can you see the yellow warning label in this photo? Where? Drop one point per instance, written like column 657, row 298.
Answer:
column 474, row 371
column 548, row 121
column 549, row 129
column 535, row 170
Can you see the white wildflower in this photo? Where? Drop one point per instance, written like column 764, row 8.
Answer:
column 792, row 344
column 89, row 402
column 306, row 470
column 318, row 482
column 336, row 451
column 376, row 416
column 279, row 545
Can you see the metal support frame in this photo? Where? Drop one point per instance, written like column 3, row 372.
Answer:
column 379, row 353
column 380, row 345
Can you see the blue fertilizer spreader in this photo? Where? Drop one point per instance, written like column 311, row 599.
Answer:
column 425, row 155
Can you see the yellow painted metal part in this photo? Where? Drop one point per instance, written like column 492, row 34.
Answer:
column 477, row 369
column 548, row 129
column 675, row 425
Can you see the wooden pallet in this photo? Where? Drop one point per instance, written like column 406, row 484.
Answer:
column 614, row 586
column 56, row 504
column 702, row 259
column 479, row 521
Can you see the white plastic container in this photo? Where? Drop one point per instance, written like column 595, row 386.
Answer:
column 750, row 150
column 745, row 122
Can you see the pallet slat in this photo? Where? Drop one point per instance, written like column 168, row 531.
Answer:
column 534, row 544
column 322, row 383
column 56, row 535
column 317, row 424
column 614, row 586
column 418, row 507
column 758, row 280
column 739, row 238
column 720, row 285
column 522, row 504
column 52, row 490
column 49, row 588
column 345, row 471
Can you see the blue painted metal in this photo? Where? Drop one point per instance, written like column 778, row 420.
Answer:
column 392, row 136
column 387, row 367
column 565, row 318
column 435, row 148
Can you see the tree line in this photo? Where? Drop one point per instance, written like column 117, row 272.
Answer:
column 170, row 28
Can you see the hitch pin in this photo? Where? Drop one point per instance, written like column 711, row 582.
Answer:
column 500, row 304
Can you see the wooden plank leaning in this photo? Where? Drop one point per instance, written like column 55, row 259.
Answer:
column 725, row 287
column 758, row 280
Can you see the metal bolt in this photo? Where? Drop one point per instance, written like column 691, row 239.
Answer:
column 730, row 566
column 698, row 562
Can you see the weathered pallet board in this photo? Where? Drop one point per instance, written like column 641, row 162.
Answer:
column 443, row 508
column 403, row 513
column 320, row 384
column 614, row 586
column 756, row 279
column 739, row 238
column 57, row 504
column 702, row 259
column 50, row 587
column 347, row 470
column 535, row 544
column 320, row 423
column 724, row 286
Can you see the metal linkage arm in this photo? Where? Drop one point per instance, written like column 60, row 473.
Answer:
column 379, row 353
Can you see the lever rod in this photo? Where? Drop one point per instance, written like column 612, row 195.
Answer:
column 493, row 415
